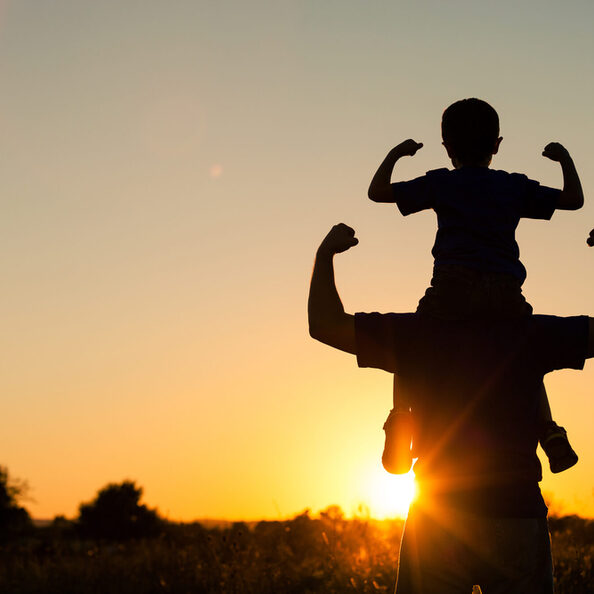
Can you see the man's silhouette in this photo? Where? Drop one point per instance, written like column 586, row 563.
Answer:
column 474, row 385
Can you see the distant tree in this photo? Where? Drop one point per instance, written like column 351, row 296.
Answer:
column 14, row 519
column 116, row 514
column 61, row 528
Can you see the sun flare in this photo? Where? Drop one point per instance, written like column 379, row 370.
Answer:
column 390, row 495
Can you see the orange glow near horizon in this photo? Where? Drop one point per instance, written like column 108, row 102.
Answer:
column 389, row 495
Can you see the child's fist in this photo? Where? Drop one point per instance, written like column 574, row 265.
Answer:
column 408, row 147
column 340, row 238
column 555, row 151
column 590, row 240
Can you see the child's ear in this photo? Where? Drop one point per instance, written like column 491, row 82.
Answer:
column 448, row 150
column 497, row 143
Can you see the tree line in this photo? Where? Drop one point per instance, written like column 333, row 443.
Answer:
column 115, row 513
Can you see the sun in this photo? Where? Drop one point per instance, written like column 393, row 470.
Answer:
column 389, row 495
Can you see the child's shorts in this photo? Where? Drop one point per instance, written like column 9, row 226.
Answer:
column 458, row 293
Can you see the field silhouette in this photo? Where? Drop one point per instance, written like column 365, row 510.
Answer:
column 306, row 554
column 118, row 545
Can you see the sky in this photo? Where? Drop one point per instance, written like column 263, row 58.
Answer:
column 167, row 170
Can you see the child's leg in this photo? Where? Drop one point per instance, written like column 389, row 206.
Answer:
column 544, row 408
column 449, row 295
column 553, row 438
column 401, row 395
column 397, row 456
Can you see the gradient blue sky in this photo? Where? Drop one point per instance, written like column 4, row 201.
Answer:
column 167, row 170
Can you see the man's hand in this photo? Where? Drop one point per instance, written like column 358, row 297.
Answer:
column 407, row 148
column 590, row 240
column 555, row 152
column 340, row 238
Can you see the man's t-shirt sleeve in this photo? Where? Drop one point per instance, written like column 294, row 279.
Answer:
column 563, row 342
column 539, row 202
column 381, row 339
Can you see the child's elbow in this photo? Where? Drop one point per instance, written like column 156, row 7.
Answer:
column 571, row 201
column 378, row 195
column 371, row 194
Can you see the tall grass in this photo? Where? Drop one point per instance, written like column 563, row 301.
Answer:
column 326, row 553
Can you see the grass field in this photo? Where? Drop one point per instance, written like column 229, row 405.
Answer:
column 324, row 553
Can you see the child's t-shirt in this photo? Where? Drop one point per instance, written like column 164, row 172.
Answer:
column 478, row 210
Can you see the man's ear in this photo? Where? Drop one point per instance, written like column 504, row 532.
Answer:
column 497, row 143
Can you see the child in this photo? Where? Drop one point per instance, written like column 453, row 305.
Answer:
column 477, row 271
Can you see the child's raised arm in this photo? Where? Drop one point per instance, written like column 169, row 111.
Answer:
column 380, row 188
column 572, row 196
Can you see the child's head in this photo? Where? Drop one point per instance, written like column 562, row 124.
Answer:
column 470, row 132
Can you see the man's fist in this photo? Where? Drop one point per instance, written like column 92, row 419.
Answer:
column 340, row 238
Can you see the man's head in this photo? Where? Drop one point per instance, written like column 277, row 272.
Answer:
column 470, row 132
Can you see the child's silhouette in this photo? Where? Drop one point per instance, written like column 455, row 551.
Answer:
column 477, row 271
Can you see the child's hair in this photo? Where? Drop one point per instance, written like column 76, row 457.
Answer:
column 470, row 128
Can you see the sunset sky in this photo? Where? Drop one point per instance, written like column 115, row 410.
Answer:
column 167, row 170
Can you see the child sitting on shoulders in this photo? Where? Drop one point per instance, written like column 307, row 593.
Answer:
column 477, row 270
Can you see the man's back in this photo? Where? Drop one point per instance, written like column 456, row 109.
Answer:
column 445, row 551
column 475, row 388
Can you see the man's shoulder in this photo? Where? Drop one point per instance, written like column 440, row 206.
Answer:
column 382, row 338
column 537, row 325
column 549, row 322
column 563, row 341
column 406, row 341
column 531, row 326
column 413, row 327
column 390, row 318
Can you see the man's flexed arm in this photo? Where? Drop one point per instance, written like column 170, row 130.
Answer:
column 328, row 321
column 380, row 189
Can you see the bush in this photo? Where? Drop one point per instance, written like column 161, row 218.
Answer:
column 116, row 514
column 14, row 519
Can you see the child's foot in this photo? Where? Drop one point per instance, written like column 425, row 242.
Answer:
column 557, row 448
column 397, row 457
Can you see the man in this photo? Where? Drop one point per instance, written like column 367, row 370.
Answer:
column 474, row 386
